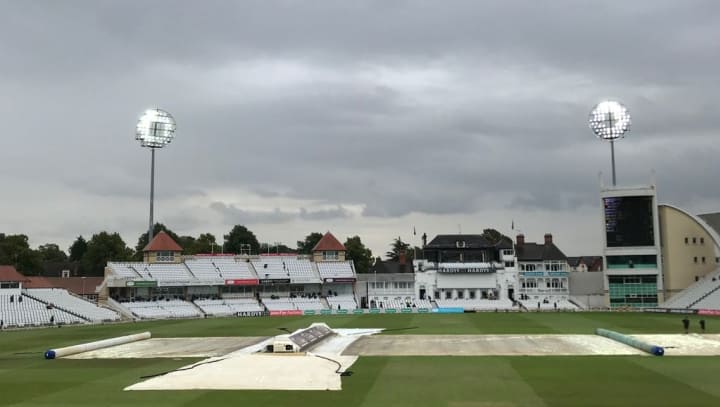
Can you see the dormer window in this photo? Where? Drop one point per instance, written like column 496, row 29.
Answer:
column 165, row 257
column 330, row 255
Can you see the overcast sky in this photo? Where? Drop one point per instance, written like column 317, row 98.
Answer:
column 363, row 118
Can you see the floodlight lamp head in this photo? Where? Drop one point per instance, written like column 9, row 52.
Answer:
column 155, row 129
column 609, row 120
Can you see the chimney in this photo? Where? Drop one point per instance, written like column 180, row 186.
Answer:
column 402, row 262
column 548, row 239
column 520, row 239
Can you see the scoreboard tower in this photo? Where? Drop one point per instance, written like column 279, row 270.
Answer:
column 631, row 250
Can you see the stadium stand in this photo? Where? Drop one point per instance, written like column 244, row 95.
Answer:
column 228, row 306
column 297, row 303
column 124, row 270
column 20, row 311
column 711, row 300
column 335, row 269
column 162, row 309
column 694, row 296
column 164, row 272
column 276, row 267
column 231, row 269
column 407, row 302
column 270, row 268
column 63, row 300
column 342, row 302
column 549, row 304
column 476, row 304
column 203, row 269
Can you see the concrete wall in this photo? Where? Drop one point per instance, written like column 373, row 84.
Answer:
column 680, row 267
column 586, row 283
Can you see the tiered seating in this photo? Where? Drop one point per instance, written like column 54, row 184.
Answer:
column 280, row 304
column 214, row 307
column 162, row 309
column 231, row 269
column 30, row 312
column 300, row 270
column 164, row 272
column 124, row 270
column 403, row 303
column 64, row 300
column 271, row 268
column 335, row 269
column 423, row 303
column 550, row 304
column 244, row 305
column 203, row 269
column 476, row 305
column 342, row 302
column 308, row 304
column 712, row 301
column 298, row 303
column 229, row 306
column 695, row 292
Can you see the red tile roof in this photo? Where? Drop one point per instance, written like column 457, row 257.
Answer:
column 8, row 273
column 329, row 242
column 73, row 284
column 162, row 242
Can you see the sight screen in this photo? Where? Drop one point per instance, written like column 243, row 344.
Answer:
column 629, row 221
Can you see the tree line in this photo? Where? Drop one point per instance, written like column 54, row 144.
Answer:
column 88, row 257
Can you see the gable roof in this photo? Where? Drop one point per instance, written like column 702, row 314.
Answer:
column 593, row 263
column 390, row 267
column 77, row 285
column 162, row 242
column 471, row 242
column 8, row 273
column 329, row 242
column 537, row 252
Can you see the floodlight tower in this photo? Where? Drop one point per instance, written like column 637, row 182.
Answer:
column 154, row 130
column 609, row 120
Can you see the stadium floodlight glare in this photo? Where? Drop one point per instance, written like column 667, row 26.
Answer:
column 155, row 129
column 610, row 120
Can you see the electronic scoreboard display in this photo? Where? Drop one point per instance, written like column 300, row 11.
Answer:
column 629, row 221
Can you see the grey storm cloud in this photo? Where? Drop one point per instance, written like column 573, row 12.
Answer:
column 235, row 215
column 395, row 107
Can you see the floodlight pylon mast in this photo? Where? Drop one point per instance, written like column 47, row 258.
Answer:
column 152, row 193
column 612, row 160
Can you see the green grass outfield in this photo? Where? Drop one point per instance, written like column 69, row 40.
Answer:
column 28, row 380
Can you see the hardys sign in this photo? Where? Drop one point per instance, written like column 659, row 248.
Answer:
column 466, row 270
column 252, row 314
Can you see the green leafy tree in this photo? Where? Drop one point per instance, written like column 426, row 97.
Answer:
column 50, row 252
column 187, row 243
column 78, row 249
column 398, row 247
column 360, row 255
column 239, row 236
column 143, row 240
column 15, row 250
column 306, row 246
column 494, row 237
column 102, row 248
column 205, row 243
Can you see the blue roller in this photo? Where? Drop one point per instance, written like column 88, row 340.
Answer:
column 50, row 354
column 630, row 341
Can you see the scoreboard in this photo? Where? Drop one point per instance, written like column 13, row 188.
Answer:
column 629, row 221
